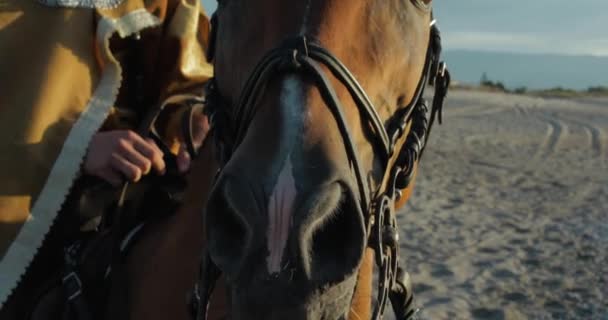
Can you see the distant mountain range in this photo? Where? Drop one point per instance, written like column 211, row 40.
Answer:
column 534, row 71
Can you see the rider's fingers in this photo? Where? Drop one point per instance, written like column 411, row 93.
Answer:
column 156, row 156
column 146, row 147
column 129, row 170
column 128, row 152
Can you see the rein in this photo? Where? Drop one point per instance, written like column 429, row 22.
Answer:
column 300, row 55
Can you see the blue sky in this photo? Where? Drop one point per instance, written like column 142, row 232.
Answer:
column 529, row 26
column 209, row 5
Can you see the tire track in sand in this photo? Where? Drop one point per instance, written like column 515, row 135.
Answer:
column 556, row 130
column 595, row 136
column 520, row 109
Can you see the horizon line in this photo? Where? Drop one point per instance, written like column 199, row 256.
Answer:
column 532, row 53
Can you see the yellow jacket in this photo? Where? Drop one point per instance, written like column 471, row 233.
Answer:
column 63, row 77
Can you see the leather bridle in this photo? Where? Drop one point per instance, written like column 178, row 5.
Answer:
column 301, row 55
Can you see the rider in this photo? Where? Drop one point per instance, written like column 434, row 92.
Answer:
column 77, row 78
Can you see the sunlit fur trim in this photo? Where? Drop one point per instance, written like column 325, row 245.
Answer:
column 99, row 4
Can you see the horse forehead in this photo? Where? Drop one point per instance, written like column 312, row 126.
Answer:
column 292, row 96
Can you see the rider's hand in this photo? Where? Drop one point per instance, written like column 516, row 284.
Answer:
column 122, row 153
column 200, row 128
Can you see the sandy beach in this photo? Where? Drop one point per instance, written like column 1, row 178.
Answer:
column 509, row 219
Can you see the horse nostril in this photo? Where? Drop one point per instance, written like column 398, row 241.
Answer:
column 228, row 232
column 338, row 242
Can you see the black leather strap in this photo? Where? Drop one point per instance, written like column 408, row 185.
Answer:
column 73, row 289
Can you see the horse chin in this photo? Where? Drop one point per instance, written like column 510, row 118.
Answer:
column 273, row 301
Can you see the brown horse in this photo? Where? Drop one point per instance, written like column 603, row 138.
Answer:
column 305, row 200
column 293, row 220
column 284, row 221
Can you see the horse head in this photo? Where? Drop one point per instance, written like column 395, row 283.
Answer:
column 316, row 105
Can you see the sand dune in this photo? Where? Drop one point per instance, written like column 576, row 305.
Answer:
column 509, row 219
